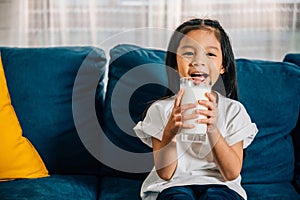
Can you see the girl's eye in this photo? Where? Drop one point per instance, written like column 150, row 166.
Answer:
column 188, row 53
column 211, row 54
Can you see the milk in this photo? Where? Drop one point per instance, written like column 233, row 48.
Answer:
column 193, row 93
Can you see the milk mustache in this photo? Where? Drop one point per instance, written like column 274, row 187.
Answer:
column 192, row 93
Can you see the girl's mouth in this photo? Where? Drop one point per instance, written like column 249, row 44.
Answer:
column 200, row 76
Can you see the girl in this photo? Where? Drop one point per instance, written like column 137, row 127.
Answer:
column 183, row 170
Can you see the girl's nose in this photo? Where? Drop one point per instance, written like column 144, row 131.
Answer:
column 199, row 60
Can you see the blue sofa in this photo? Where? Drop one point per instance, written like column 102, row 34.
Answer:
column 80, row 122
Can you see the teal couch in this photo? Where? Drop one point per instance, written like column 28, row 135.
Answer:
column 78, row 106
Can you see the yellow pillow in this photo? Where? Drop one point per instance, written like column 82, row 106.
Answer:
column 18, row 157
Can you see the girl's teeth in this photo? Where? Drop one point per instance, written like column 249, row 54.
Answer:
column 203, row 76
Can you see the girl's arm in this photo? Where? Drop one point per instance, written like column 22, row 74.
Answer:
column 229, row 159
column 165, row 153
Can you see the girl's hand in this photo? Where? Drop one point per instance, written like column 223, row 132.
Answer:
column 212, row 113
column 177, row 116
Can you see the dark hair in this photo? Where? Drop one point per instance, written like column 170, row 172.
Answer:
column 228, row 77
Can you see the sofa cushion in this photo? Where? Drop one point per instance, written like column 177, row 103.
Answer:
column 267, row 90
column 292, row 58
column 19, row 159
column 262, row 191
column 41, row 81
column 120, row 188
column 84, row 187
column 296, row 141
column 136, row 78
column 295, row 58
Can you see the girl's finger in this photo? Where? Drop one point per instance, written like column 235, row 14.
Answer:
column 178, row 117
column 210, row 97
column 185, row 107
column 208, row 104
column 177, row 111
column 178, row 97
column 207, row 113
column 207, row 121
column 188, row 126
column 189, row 116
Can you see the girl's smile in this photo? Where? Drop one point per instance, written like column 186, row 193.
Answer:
column 200, row 76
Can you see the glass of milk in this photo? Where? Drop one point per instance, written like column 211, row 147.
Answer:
column 194, row 90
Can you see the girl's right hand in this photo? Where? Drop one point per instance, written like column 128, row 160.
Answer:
column 177, row 116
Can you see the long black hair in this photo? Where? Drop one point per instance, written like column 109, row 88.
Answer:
column 228, row 77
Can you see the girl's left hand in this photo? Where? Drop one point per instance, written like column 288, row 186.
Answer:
column 212, row 113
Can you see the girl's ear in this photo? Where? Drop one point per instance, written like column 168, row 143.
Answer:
column 222, row 70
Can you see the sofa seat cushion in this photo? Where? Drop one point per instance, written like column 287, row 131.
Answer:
column 119, row 188
column 271, row 191
column 54, row 187
column 41, row 83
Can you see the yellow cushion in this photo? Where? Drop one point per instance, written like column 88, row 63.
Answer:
column 18, row 157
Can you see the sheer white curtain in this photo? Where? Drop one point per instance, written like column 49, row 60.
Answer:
column 12, row 23
column 77, row 22
column 262, row 29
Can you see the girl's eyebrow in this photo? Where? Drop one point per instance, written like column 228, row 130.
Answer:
column 187, row 46
column 192, row 47
column 213, row 47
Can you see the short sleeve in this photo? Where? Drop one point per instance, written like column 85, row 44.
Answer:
column 238, row 125
column 155, row 121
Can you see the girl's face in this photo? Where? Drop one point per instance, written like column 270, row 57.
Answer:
column 199, row 54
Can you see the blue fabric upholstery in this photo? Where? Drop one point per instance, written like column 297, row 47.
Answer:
column 130, row 67
column 296, row 142
column 274, row 191
column 120, row 188
column 40, row 81
column 292, row 58
column 295, row 58
column 264, row 87
column 55, row 187
column 274, row 121
column 123, row 59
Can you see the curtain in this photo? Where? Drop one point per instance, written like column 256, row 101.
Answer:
column 261, row 29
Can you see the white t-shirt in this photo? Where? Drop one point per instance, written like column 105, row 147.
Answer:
column 195, row 164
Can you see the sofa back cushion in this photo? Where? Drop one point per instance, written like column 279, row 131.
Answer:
column 267, row 89
column 292, row 58
column 136, row 78
column 295, row 58
column 41, row 81
column 19, row 159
